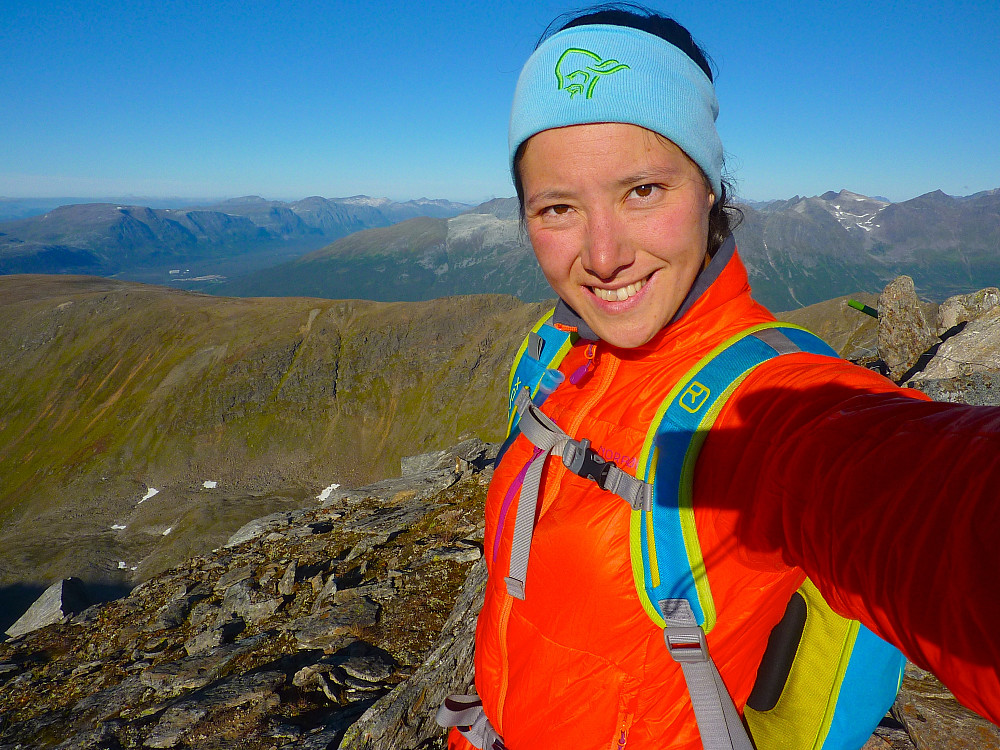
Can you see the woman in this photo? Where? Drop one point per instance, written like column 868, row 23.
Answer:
column 814, row 466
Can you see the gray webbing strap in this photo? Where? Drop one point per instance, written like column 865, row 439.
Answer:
column 545, row 434
column 718, row 720
column 777, row 340
column 465, row 712
column 579, row 458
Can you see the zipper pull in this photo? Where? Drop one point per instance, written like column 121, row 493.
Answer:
column 587, row 366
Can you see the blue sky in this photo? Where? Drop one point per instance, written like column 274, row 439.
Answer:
column 406, row 99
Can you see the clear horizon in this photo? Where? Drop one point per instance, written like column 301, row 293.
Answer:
column 177, row 99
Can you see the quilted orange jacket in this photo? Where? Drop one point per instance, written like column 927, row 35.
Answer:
column 815, row 466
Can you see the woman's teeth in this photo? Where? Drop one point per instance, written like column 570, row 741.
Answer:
column 621, row 294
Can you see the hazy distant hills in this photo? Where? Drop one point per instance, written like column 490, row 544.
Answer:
column 481, row 251
column 799, row 252
column 113, row 239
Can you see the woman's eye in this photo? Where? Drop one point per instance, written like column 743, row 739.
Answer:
column 557, row 210
column 644, row 191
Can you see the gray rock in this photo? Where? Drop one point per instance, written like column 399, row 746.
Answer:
column 966, row 307
column 363, row 661
column 62, row 599
column 328, row 591
column 244, row 601
column 328, row 628
column 286, row 586
column 903, row 331
column 193, row 672
column 208, row 639
column 405, row 716
column 267, row 524
column 250, row 688
column 460, row 553
column 935, row 720
column 174, row 724
column 472, row 453
column 231, row 577
column 106, row 703
column 973, row 351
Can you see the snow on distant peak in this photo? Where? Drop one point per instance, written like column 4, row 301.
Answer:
column 118, row 527
column 854, row 211
column 364, row 200
column 168, row 530
column 209, row 484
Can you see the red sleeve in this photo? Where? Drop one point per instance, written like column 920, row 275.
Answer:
column 889, row 502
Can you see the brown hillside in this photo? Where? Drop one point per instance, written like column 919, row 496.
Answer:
column 110, row 389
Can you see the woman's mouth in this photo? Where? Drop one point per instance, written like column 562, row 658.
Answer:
column 620, row 294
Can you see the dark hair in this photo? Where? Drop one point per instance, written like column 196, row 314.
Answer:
column 723, row 218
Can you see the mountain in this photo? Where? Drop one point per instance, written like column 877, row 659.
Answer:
column 798, row 252
column 480, row 251
column 243, row 233
column 141, row 424
column 804, row 250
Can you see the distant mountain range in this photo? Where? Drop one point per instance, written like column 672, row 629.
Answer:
column 798, row 252
column 108, row 239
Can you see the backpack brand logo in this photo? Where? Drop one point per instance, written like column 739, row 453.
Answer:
column 579, row 70
column 694, row 397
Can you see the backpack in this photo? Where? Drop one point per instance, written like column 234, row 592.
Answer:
column 824, row 682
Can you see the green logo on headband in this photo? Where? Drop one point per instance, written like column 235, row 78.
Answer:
column 579, row 70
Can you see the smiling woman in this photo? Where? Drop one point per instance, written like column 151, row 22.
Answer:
column 658, row 602
column 618, row 219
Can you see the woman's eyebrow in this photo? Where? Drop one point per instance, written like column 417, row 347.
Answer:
column 646, row 176
column 544, row 196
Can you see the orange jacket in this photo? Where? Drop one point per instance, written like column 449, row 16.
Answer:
column 813, row 466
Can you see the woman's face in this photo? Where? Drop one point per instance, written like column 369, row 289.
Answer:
column 618, row 219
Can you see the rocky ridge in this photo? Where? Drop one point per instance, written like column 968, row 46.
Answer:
column 288, row 636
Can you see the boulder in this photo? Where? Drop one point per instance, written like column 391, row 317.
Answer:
column 903, row 331
column 61, row 599
column 965, row 307
column 965, row 368
column 934, row 720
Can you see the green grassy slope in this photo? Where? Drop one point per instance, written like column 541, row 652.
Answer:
column 110, row 388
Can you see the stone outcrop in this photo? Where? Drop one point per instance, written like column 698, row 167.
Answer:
column 965, row 307
column 60, row 600
column 903, row 331
column 965, row 368
column 307, row 625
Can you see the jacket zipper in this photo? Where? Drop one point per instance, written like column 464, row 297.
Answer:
column 607, row 374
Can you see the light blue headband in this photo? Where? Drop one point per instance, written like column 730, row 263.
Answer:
column 604, row 73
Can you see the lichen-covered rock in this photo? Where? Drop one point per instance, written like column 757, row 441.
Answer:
column 934, row 720
column 965, row 307
column 975, row 350
column 903, row 331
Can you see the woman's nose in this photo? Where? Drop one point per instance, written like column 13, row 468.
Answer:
column 607, row 250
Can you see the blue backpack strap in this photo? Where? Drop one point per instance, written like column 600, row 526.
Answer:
column 667, row 562
column 543, row 349
column 843, row 678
